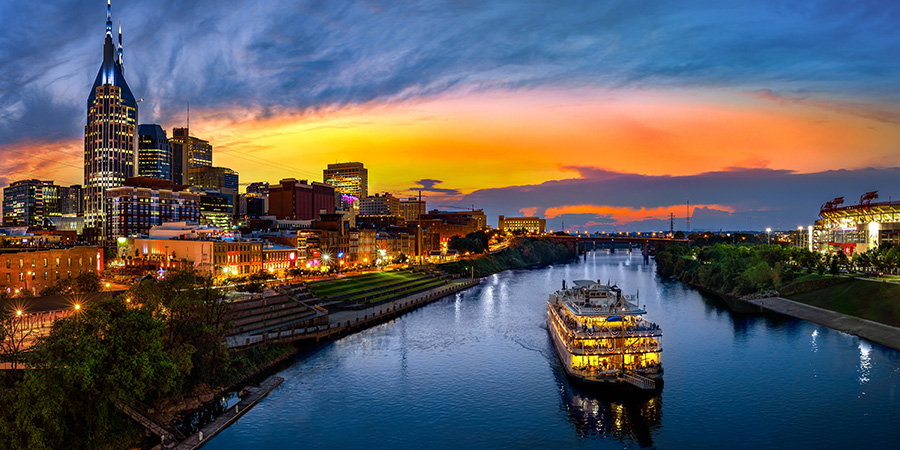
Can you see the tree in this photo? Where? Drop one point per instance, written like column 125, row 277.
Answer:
column 111, row 353
column 15, row 332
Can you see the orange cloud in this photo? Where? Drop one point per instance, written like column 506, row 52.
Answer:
column 480, row 140
column 624, row 214
column 529, row 211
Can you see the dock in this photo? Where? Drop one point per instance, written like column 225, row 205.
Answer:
column 229, row 417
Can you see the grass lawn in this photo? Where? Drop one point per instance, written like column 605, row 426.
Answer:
column 424, row 287
column 871, row 300
column 340, row 286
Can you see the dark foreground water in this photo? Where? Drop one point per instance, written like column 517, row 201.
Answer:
column 477, row 370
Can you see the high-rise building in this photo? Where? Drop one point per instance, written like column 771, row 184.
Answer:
column 143, row 203
column 187, row 152
column 348, row 178
column 213, row 178
column 110, row 138
column 154, row 152
column 180, row 149
column 71, row 200
column 29, row 202
column 217, row 208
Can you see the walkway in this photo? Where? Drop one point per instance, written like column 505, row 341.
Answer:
column 876, row 332
column 345, row 322
column 229, row 417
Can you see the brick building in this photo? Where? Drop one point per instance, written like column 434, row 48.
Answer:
column 36, row 269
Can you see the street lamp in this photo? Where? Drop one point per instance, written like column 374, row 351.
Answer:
column 768, row 230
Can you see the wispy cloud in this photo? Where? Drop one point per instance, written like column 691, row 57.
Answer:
column 300, row 55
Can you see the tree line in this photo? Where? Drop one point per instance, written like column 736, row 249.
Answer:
column 742, row 270
column 157, row 342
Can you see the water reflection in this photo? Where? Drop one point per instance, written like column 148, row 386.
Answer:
column 608, row 415
column 815, row 346
column 865, row 361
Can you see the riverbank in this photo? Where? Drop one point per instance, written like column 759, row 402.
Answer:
column 340, row 324
column 886, row 335
column 878, row 332
column 524, row 252
column 229, row 417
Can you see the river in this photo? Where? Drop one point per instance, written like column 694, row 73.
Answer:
column 477, row 370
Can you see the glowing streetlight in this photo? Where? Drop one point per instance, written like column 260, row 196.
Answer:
column 77, row 306
column 19, row 312
column 768, row 230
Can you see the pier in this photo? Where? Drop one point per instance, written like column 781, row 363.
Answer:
column 227, row 418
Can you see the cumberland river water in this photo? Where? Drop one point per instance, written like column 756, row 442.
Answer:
column 477, row 370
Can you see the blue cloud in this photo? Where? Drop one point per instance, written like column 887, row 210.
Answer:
column 318, row 54
column 750, row 192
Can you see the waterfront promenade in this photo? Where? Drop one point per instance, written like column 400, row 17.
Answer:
column 345, row 322
column 228, row 417
column 876, row 332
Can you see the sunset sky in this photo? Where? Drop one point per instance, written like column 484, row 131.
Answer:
column 606, row 115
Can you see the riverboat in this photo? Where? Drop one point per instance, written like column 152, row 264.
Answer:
column 601, row 337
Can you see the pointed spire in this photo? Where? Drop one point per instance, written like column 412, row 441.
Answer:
column 109, row 17
column 120, row 45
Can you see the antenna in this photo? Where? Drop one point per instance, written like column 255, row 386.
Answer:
column 672, row 223
column 188, row 117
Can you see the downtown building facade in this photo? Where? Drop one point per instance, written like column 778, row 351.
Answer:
column 291, row 199
column 143, row 203
column 31, row 202
column 188, row 152
column 154, row 152
column 110, row 134
column 380, row 205
column 350, row 178
column 412, row 208
column 36, row 269
column 527, row 224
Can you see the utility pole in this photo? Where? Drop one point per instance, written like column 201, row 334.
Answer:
column 688, row 217
column 419, row 229
column 672, row 224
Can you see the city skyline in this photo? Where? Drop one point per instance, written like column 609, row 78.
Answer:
column 605, row 117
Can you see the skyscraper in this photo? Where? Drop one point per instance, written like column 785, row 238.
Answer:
column 154, row 153
column 29, row 202
column 349, row 178
column 110, row 140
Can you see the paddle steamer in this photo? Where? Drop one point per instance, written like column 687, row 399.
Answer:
column 601, row 337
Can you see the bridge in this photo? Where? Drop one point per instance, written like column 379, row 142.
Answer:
column 646, row 242
column 620, row 239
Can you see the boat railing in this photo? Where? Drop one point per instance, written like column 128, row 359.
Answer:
column 613, row 333
column 603, row 351
column 639, row 381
